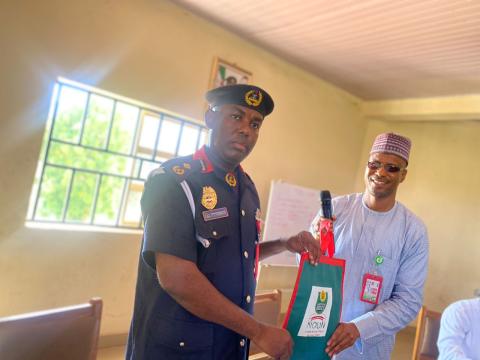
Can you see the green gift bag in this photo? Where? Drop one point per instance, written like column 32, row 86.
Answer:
column 315, row 306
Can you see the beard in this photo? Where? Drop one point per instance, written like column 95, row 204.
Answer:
column 380, row 188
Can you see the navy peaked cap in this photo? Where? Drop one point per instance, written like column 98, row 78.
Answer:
column 249, row 96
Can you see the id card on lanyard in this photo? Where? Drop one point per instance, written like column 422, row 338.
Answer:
column 372, row 284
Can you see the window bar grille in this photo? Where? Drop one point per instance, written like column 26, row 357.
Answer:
column 139, row 171
column 95, row 172
column 123, row 207
column 157, row 138
column 139, row 178
column 89, row 147
column 179, row 138
column 69, row 193
column 135, row 134
column 84, row 118
column 95, row 198
column 110, row 126
column 107, row 226
column 47, row 151
column 198, row 137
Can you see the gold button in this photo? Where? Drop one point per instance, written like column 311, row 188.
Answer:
column 245, row 253
column 242, row 342
column 214, row 233
column 182, row 344
column 243, row 212
column 248, row 298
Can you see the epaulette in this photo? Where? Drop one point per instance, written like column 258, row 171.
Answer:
column 178, row 168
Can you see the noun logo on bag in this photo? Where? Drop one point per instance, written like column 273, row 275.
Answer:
column 321, row 302
column 317, row 314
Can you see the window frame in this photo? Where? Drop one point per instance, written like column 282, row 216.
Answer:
column 133, row 179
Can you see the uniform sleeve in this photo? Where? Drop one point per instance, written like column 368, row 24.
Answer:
column 454, row 327
column 407, row 295
column 169, row 226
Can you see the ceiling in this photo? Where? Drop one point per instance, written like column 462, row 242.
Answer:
column 374, row 49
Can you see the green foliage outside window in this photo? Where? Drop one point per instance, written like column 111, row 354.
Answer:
column 97, row 152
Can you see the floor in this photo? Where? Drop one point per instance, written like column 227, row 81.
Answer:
column 402, row 351
column 111, row 353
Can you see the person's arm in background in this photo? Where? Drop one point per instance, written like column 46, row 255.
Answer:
column 303, row 241
column 454, row 327
column 395, row 313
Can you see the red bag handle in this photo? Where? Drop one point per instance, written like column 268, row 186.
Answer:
column 327, row 242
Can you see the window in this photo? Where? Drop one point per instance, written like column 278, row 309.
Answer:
column 97, row 152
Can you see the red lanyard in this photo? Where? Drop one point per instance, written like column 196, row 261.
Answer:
column 327, row 242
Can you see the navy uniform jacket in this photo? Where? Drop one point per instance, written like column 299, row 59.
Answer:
column 221, row 241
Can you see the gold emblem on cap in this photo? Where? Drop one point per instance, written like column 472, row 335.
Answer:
column 178, row 170
column 209, row 197
column 231, row 179
column 253, row 97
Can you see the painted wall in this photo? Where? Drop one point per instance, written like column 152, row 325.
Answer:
column 152, row 51
column 442, row 188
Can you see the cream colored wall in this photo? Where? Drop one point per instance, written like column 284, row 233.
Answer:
column 155, row 52
column 443, row 188
column 460, row 107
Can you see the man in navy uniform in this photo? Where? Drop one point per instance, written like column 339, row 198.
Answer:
column 200, row 251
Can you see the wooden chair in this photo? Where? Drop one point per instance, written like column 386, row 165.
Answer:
column 266, row 310
column 428, row 326
column 58, row 334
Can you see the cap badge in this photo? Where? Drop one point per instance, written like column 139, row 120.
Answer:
column 230, row 179
column 253, row 97
column 209, row 197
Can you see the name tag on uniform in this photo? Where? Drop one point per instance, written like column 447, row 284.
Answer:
column 215, row 214
column 372, row 284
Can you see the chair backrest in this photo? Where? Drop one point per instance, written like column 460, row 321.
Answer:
column 428, row 326
column 266, row 310
column 267, row 307
column 64, row 333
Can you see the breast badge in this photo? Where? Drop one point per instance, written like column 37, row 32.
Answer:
column 231, row 179
column 209, row 197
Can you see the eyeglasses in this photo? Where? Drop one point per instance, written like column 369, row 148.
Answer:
column 375, row 165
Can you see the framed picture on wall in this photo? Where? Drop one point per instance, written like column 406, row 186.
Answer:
column 225, row 73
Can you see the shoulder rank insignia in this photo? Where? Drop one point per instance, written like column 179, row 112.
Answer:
column 209, row 197
column 178, row 170
column 230, row 179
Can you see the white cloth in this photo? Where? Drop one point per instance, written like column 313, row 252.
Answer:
column 459, row 337
column 401, row 239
